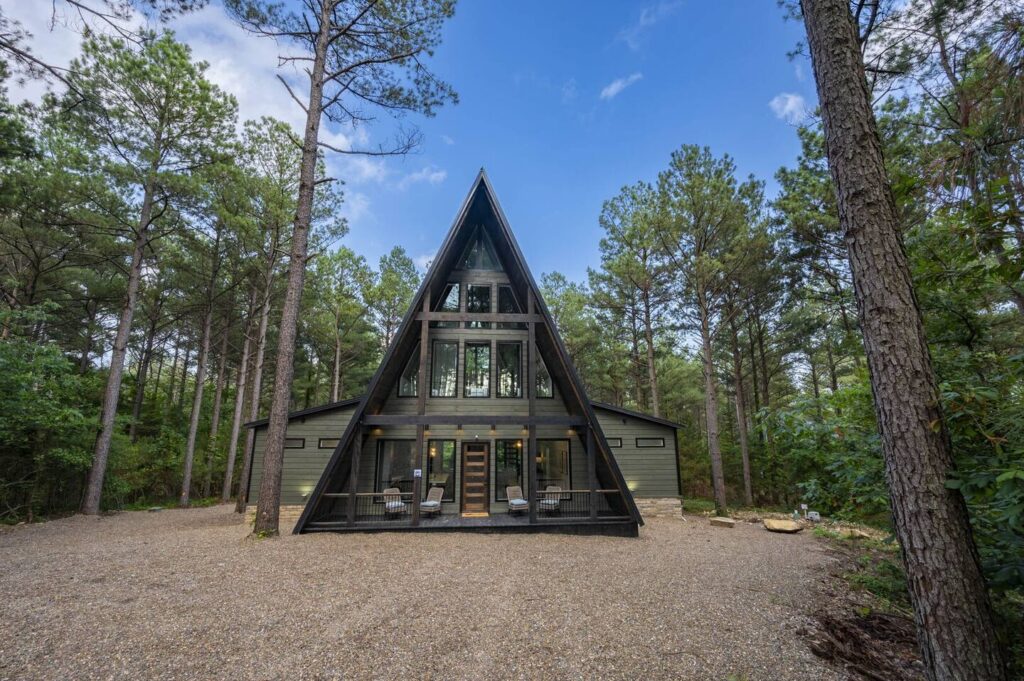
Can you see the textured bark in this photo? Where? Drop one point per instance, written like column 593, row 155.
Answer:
column 951, row 604
column 183, row 383
column 711, row 408
column 218, row 397
column 652, row 370
column 140, row 379
column 101, row 452
column 236, row 416
column 741, row 413
column 197, row 407
column 267, row 510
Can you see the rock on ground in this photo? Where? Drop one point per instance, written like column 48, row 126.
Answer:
column 183, row 594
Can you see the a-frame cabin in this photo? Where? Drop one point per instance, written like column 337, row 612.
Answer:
column 476, row 396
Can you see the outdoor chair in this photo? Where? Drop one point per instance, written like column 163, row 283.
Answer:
column 432, row 504
column 551, row 499
column 516, row 502
column 393, row 504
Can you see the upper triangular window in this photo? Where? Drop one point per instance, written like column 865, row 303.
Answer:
column 479, row 253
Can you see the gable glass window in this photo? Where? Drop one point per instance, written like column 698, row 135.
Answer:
column 544, row 387
column 444, row 369
column 508, row 304
column 396, row 460
column 449, row 302
column 510, row 369
column 615, row 442
column 294, row 442
column 408, row 382
column 642, row 442
column 477, row 376
column 508, row 467
column 479, row 253
column 553, row 464
column 478, row 300
column 441, row 467
column 327, row 443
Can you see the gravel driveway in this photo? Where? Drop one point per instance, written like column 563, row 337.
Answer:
column 183, row 594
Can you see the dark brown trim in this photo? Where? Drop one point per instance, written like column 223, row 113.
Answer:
column 510, row 317
column 471, row 420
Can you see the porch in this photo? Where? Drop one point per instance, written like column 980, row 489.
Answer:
column 567, row 511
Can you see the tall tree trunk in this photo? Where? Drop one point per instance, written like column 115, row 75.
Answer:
column 257, row 388
column 814, row 385
column 336, row 372
column 652, row 370
column 197, row 407
column 83, row 360
column 236, row 415
column 741, row 412
column 173, row 371
column 951, row 603
column 711, row 409
column 218, row 397
column 101, row 452
column 267, row 510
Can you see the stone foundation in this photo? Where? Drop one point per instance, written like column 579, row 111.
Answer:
column 289, row 515
column 660, row 507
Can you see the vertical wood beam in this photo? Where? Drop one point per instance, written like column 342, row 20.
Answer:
column 592, row 472
column 421, row 409
column 353, row 481
column 531, row 391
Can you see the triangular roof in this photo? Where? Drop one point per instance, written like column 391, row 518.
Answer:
column 480, row 208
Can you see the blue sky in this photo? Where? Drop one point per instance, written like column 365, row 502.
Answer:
column 562, row 102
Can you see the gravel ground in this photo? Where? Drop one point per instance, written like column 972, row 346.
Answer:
column 183, row 594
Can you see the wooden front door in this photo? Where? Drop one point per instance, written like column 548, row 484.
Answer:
column 474, row 477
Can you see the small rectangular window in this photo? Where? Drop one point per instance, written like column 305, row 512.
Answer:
column 408, row 382
column 510, row 367
column 444, row 369
column 508, row 304
column 449, row 302
column 294, row 442
column 478, row 300
column 615, row 442
column 508, row 467
column 642, row 442
column 477, row 374
column 544, row 387
column 327, row 443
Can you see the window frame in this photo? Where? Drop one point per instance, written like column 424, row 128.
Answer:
column 300, row 440
column 636, row 442
column 377, row 486
column 497, row 370
column 551, row 381
column 612, row 440
column 439, row 307
column 499, row 490
column 465, row 367
column 455, row 450
column 490, row 305
column 416, row 377
column 568, row 459
column 320, row 442
column 509, row 326
column 433, row 367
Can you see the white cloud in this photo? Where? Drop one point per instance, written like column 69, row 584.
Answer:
column 632, row 35
column 423, row 261
column 619, row 84
column 447, row 140
column 428, row 174
column 789, row 107
column 356, row 208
